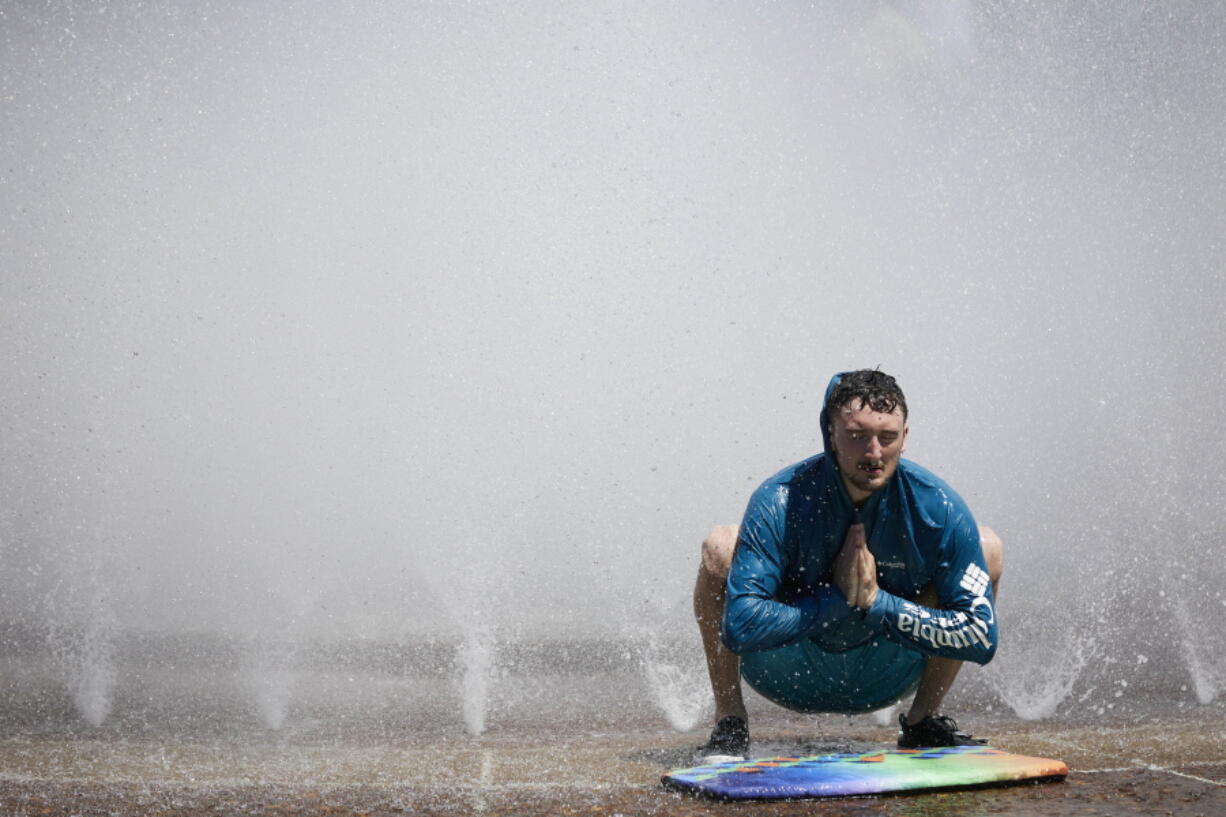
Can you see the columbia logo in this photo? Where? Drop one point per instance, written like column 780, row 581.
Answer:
column 975, row 580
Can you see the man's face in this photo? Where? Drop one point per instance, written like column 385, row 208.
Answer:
column 867, row 446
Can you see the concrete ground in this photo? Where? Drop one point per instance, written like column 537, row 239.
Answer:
column 1173, row 764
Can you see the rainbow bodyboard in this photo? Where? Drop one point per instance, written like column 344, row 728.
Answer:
column 881, row 772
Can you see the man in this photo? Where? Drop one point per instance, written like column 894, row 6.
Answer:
column 855, row 578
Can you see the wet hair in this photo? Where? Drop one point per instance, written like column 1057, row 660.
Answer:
column 869, row 387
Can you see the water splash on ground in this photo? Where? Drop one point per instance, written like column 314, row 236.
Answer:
column 476, row 662
column 471, row 582
column 81, row 636
column 92, row 672
column 1206, row 675
column 1033, row 678
column 886, row 716
column 269, row 679
column 677, row 681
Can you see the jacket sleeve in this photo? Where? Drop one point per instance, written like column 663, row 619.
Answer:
column 753, row 618
column 964, row 627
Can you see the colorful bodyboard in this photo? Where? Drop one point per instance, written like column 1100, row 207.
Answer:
column 881, row 772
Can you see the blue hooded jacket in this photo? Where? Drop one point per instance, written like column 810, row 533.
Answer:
column 780, row 587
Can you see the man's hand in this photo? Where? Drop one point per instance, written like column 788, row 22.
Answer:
column 855, row 569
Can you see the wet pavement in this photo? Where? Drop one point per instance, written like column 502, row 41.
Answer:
column 1172, row 763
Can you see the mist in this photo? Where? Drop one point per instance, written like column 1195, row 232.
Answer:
column 366, row 321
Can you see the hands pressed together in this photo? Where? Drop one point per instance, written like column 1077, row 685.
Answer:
column 855, row 569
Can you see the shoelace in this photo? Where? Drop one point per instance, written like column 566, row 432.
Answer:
column 948, row 723
column 951, row 726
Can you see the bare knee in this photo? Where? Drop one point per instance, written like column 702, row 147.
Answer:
column 993, row 553
column 717, row 550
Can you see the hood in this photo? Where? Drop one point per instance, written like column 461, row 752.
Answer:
column 825, row 415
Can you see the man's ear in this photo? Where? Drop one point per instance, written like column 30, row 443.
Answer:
column 905, row 429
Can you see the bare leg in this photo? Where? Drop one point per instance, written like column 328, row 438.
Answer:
column 939, row 673
column 723, row 666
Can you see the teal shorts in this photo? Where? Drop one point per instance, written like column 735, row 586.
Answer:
column 805, row 678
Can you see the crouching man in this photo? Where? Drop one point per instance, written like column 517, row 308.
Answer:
column 854, row 579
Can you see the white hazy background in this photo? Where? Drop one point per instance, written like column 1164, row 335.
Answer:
column 347, row 319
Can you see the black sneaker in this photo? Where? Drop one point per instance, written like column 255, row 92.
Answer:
column 931, row 732
column 729, row 742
